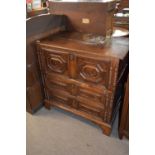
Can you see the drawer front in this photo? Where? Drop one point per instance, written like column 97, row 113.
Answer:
column 72, row 65
column 54, row 61
column 93, row 71
column 78, row 103
column 60, row 96
column 92, row 111
column 54, row 81
column 95, row 96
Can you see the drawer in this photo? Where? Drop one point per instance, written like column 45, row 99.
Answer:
column 92, row 111
column 54, row 61
column 54, row 81
column 60, row 96
column 94, row 71
column 97, row 94
column 75, row 66
column 63, row 98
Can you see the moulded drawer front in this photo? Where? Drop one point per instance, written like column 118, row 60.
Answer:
column 54, row 61
column 62, row 83
column 92, row 95
column 91, row 110
column 63, row 98
column 93, row 71
column 74, row 66
column 60, row 96
column 76, row 88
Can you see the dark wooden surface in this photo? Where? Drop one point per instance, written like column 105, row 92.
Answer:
column 89, row 43
column 84, row 78
column 37, row 28
column 92, row 17
column 37, row 12
column 124, row 122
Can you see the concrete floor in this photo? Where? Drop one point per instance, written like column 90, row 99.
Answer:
column 57, row 132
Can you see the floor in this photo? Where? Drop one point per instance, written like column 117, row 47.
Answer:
column 57, row 132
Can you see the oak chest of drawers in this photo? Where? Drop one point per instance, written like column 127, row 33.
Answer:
column 83, row 73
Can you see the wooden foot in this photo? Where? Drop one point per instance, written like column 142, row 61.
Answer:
column 106, row 130
column 120, row 135
column 47, row 105
column 123, row 134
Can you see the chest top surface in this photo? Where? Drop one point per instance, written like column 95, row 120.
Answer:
column 88, row 44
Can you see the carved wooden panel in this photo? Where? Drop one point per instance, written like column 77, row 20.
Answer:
column 91, row 73
column 54, row 61
column 94, row 71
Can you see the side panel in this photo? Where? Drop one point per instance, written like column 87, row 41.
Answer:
column 38, row 28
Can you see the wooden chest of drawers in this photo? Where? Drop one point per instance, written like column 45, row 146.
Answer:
column 83, row 73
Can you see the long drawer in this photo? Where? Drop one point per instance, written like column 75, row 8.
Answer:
column 77, row 94
column 76, row 102
column 76, row 88
column 70, row 64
